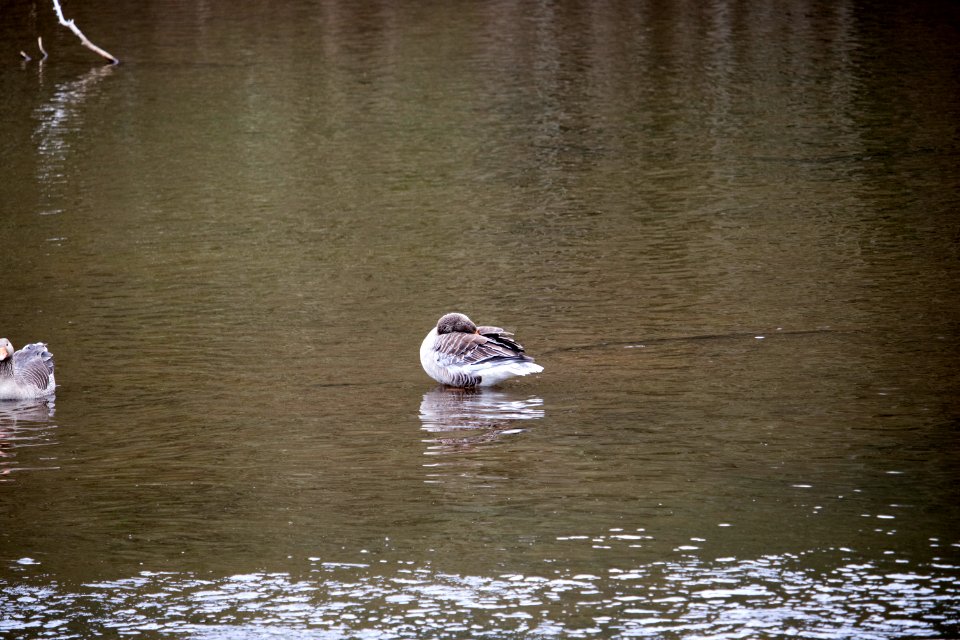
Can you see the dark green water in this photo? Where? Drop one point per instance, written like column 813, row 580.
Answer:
column 730, row 232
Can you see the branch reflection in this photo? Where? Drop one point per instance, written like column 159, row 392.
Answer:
column 58, row 120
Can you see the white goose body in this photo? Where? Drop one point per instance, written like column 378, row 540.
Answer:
column 458, row 353
column 27, row 373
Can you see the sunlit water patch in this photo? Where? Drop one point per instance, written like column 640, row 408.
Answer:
column 770, row 596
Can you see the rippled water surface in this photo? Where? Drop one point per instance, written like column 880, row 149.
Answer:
column 728, row 231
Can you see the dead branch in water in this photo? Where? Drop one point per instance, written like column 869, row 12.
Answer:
column 27, row 57
column 83, row 39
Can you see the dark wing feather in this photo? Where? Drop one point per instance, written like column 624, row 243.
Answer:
column 471, row 348
column 33, row 365
column 498, row 334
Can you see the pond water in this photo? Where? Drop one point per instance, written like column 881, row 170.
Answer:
column 728, row 231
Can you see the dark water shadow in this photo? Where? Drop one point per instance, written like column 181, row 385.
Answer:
column 642, row 342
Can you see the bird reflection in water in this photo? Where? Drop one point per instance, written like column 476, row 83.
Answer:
column 23, row 423
column 466, row 418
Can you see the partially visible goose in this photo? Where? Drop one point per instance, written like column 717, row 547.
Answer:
column 27, row 373
column 458, row 353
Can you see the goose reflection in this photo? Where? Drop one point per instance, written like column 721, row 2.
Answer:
column 465, row 418
column 30, row 411
column 23, row 424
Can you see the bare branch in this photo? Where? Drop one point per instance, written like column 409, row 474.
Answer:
column 26, row 57
column 83, row 39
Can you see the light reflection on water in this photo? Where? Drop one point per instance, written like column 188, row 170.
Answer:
column 822, row 593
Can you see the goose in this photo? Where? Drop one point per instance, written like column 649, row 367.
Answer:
column 458, row 353
column 27, row 373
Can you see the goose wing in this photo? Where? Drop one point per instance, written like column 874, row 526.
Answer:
column 502, row 336
column 472, row 348
column 496, row 330
column 33, row 365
